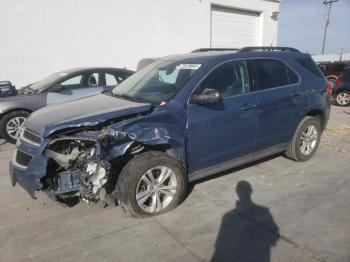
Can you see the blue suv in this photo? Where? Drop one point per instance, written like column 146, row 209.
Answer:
column 178, row 119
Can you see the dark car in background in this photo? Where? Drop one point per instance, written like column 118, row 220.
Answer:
column 57, row 88
column 7, row 89
column 178, row 119
column 341, row 90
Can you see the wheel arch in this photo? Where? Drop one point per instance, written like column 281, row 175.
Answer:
column 137, row 148
column 342, row 89
column 13, row 110
column 320, row 113
column 164, row 147
column 331, row 77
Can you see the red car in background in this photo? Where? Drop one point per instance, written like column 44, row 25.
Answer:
column 341, row 89
column 332, row 70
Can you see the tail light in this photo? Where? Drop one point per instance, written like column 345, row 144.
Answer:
column 339, row 80
column 329, row 89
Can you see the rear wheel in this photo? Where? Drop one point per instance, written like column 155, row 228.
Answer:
column 11, row 123
column 150, row 184
column 343, row 98
column 305, row 140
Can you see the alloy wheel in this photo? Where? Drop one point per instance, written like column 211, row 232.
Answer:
column 308, row 140
column 13, row 126
column 343, row 99
column 156, row 189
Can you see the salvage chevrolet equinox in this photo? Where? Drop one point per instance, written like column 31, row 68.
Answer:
column 178, row 119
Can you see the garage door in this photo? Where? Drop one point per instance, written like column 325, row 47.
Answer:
column 234, row 28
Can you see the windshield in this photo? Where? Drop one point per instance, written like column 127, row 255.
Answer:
column 158, row 82
column 42, row 84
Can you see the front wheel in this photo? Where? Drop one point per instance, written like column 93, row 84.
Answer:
column 305, row 140
column 150, row 184
column 343, row 98
column 11, row 123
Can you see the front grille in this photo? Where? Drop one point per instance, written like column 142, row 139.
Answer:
column 22, row 158
column 31, row 137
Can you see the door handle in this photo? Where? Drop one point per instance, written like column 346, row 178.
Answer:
column 247, row 107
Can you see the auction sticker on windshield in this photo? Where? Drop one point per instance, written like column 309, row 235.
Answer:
column 189, row 66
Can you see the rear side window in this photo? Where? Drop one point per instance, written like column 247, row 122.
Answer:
column 111, row 80
column 268, row 73
column 292, row 77
column 309, row 65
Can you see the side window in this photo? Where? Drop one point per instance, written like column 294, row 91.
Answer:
column 73, row 82
column 268, row 73
column 111, row 80
column 229, row 79
column 292, row 77
column 122, row 77
column 310, row 65
column 115, row 79
column 93, row 80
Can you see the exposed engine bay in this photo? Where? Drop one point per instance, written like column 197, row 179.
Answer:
column 76, row 169
column 80, row 164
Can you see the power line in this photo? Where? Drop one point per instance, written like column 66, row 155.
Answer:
column 328, row 4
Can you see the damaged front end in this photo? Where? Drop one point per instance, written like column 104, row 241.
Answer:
column 83, row 165
column 75, row 169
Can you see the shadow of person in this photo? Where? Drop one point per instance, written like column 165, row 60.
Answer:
column 248, row 232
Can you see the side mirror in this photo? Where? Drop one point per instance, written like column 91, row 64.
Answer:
column 56, row 88
column 208, row 96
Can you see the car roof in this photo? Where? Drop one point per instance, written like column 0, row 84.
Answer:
column 82, row 69
column 213, row 56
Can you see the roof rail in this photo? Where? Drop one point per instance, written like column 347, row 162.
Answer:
column 268, row 48
column 213, row 49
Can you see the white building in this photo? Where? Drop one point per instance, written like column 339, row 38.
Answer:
column 332, row 57
column 39, row 37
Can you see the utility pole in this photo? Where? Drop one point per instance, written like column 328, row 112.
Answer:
column 329, row 8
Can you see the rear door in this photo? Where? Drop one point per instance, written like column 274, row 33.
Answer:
column 279, row 93
column 226, row 130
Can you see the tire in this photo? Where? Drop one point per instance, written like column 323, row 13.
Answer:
column 20, row 115
column 342, row 98
column 331, row 80
column 130, row 182
column 295, row 150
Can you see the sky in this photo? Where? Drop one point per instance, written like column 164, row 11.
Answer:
column 301, row 25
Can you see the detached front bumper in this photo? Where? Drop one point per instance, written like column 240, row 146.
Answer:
column 28, row 177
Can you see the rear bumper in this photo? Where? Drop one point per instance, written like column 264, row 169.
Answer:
column 327, row 112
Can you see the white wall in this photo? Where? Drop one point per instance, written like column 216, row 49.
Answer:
column 39, row 37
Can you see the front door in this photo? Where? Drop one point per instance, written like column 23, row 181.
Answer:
column 225, row 130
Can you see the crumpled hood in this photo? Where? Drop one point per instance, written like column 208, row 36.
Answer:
column 85, row 112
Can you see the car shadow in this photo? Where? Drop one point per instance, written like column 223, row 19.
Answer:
column 248, row 232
